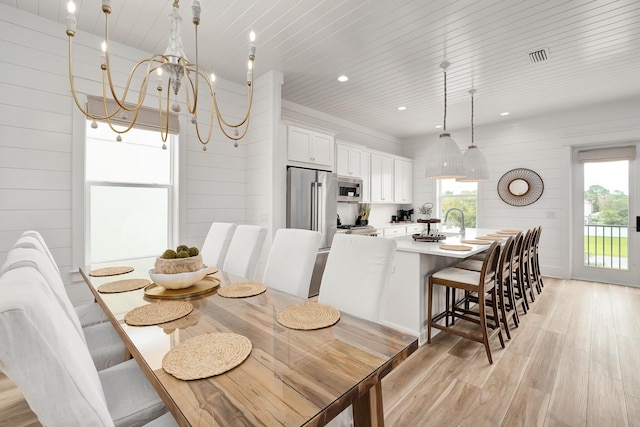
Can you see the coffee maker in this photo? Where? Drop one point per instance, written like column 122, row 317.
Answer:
column 405, row 215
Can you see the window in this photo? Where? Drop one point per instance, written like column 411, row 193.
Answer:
column 130, row 194
column 461, row 195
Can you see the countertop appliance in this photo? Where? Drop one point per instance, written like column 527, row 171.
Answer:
column 312, row 205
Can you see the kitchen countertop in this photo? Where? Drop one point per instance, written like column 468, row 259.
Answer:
column 407, row 244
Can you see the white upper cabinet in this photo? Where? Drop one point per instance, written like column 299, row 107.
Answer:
column 308, row 146
column 381, row 179
column 365, row 168
column 348, row 161
column 403, row 181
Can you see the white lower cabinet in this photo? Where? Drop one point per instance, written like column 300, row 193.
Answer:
column 394, row 231
column 414, row 229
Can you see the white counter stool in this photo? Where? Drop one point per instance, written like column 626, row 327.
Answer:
column 216, row 244
column 244, row 251
column 480, row 282
column 355, row 279
column 89, row 314
column 291, row 260
column 48, row 361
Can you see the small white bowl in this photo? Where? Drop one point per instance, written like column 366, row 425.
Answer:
column 178, row 280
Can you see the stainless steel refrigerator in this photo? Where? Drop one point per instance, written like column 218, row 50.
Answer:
column 312, row 197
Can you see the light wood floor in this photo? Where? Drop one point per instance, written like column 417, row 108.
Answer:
column 574, row 361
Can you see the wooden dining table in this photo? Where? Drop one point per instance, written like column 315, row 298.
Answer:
column 291, row 377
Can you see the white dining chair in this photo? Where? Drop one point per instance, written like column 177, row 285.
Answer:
column 356, row 274
column 48, row 361
column 244, row 251
column 354, row 281
column 103, row 342
column 291, row 261
column 216, row 244
column 89, row 314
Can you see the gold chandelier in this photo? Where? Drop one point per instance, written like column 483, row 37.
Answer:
column 177, row 67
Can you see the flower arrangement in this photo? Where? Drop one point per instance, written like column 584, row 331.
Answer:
column 426, row 208
column 365, row 209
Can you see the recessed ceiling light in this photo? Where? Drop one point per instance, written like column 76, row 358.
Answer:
column 343, row 78
column 402, row 108
column 506, row 113
column 438, row 126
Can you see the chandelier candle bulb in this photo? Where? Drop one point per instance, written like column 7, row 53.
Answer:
column 71, row 19
column 196, row 12
column 252, row 45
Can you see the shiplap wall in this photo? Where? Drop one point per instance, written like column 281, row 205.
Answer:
column 542, row 144
column 36, row 141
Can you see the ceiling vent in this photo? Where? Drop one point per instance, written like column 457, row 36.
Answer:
column 540, row 55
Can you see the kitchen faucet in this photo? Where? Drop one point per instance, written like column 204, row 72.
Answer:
column 446, row 215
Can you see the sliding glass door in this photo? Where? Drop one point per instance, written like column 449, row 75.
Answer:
column 605, row 206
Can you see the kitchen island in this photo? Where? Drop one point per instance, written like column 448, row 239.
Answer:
column 406, row 299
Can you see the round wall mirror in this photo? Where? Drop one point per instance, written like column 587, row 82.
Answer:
column 520, row 187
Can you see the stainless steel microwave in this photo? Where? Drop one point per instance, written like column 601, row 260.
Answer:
column 349, row 190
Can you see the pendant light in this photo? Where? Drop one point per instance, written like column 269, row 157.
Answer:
column 475, row 163
column 444, row 159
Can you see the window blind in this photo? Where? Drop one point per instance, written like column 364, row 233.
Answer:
column 610, row 154
column 148, row 118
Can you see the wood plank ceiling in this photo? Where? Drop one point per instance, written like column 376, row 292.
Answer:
column 391, row 51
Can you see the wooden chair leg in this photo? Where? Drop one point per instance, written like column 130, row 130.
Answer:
column 495, row 315
column 483, row 327
column 429, row 310
column 503, row 309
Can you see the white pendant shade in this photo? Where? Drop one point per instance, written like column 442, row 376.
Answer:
column 444, row 160
column 475, row 165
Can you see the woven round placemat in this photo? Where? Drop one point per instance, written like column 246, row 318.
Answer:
column 308, row 316
column 124, row 285
column 510, row 231
column 475, row 242
column 157, row 312
column 456, row 247
column 489, row 238
column 206, row 355
column 242, row 289
column 110, row 271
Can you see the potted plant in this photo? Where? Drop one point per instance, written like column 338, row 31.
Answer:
column 425, row 210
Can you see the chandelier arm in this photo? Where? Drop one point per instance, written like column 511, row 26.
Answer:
column 164, row 135
column 246, row 117
column 143, row 89
column 197, row 70
column 235, row 138
column 75, row 96
column 206, row 141
column 190, row 109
